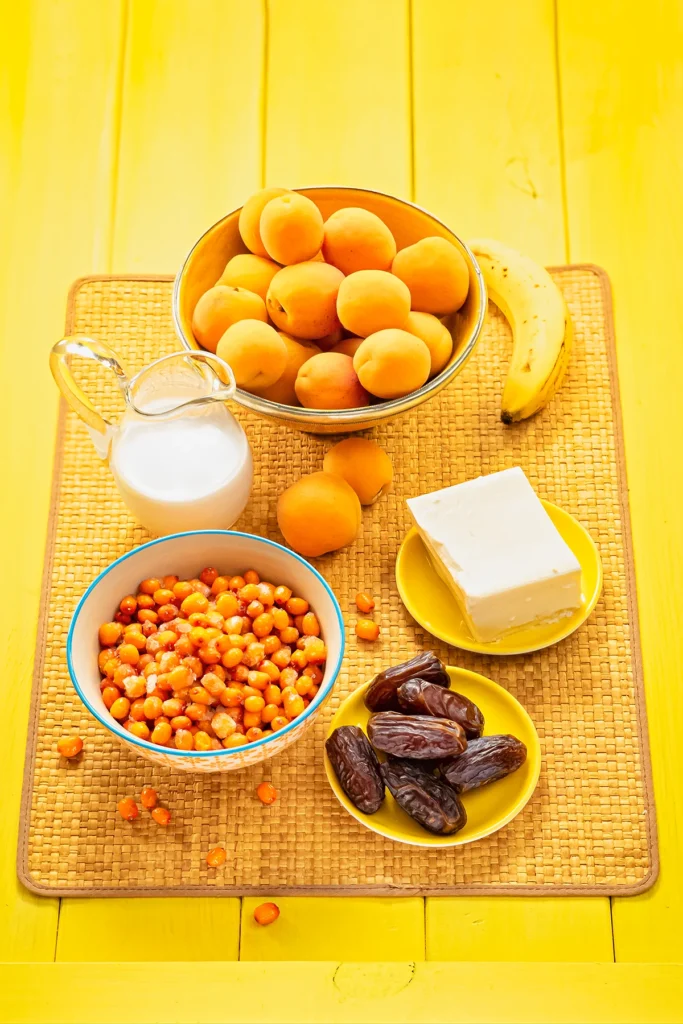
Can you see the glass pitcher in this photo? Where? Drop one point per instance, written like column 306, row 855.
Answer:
column 179, row 457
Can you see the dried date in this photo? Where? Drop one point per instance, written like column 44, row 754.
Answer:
column 356, row 766
column 381, row 693
column 416, row 736
column 430, row 801
column 486, row 759
column 419, row 697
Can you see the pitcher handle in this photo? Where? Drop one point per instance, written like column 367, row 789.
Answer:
column 99, row 428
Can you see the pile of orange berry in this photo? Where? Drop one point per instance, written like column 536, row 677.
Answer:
column 212, row 662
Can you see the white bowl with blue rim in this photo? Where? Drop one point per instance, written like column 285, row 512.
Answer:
column 185, row 555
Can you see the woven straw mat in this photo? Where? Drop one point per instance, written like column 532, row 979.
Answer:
column 589, row 828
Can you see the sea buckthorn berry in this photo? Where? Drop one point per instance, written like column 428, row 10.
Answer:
column 262, row 624
column 199, row 695
column 161, row 733
column 128, row 654
column 128, row 809
column 172, row 707
column 183, row 739
column 69, row 746
column 134, row 687
column 111, row 666
column 282, row 657
column 290, row 635
column 139, row 729
column 266, row 594
column 232, row 657
column 167, row 612
column 248, row 593
column 169, row 582
column 200, row 588
column 180, row 722
column 202, row 741
column 166, row 637
column 180, row 677
column 214, row 632
column 163, row 596
column 254, row 733
column 103, row 657
column 315, row 651
column 271, row 644
column 135, row 639
column 145, row 601
column 145, row 660
column 146, row 615
column 109, row 695
column 208, row 576
column 148, row 797
column 193, row 664
column 299, row 659
column 251, row 719
column 195, row 711
column 226, row 604
column 234, row 625
column 223, row 725
column 128, row 605
column 299, row 623
column 272, row 694
column 288, row 677
column 161, row 815
column 302, row 685
column 293, row 705
column 209, row 655
column 194, row 603
column 213, row 684
column 366, row 629
column 137, row 710
column 271, row 670
column 282, row 595
column 266, row 792
column 153, row 707
column 110, row 633
column 148, row 586
column 237, row 739
column 123, row 620
column 251, row 576
column 254, row 704
column 270, row 712
column 237, row 582
column 254, row 609
column 310, row 624
column 120, row 708
column 197, row 636
column 240, row 674
column 253, row 654
column 281, row 619
column 216, row 857
column 266, row 913
column 220, row 585
column 297, row 606
column 148, row 628
column 182, row 589
column 231, row 697
column 314, row 674
column 259, row 680
column 279, row 722
column 249, row 638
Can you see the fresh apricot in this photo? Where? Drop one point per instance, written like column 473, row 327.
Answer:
column 436, row 274
column 372, row 300
column 255, row 352
column 250, row 217
column 251, row 272
column 356, row 239
column 329, row 381
column 392, row 363
column 283, row 389
column 436, row 337
column 302, row 299
column 349, row 346
column 319, row 513
column 291, row 228
column 220, row 308
column 363, row 464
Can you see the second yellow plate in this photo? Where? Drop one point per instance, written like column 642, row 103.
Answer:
column 432, row 604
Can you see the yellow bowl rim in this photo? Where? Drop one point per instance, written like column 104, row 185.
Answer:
column 347, row 417
column 491, row 648
column 439, row 842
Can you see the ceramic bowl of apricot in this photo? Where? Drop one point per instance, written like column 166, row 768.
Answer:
column 336, row 307
column 206, row 651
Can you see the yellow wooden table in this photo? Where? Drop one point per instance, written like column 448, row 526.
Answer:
column 127, row 127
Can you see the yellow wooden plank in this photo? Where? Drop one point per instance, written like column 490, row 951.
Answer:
column 191, row 128
column 347, row 993
column 487, row 154
column 149, row 929
column 622, row 95
column 487, row 160
column 509, row 928
column 353, row 928
column 59, row 68
column 338, row 94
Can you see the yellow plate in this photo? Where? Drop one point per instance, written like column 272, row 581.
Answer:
column 432, row 604
column 488, row 808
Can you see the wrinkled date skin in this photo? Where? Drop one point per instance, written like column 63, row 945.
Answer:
column 381, row 693
column 486, row 759
column 416, row 736
column 430, row 801
column 419, row 697
column 356, row 766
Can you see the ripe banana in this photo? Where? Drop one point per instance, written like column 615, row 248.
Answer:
column 541, row 326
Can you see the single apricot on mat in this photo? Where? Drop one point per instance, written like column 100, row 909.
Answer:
column 250, row 217
column 291, row 228
column 220, row 308
column 349, row 346
column 356, row 239
column 436, row 274
column 329, row 381
column 282, row 390
column 302, row 299
column 363, row 464
column 319, row 513
column 251, row 272
column 255, row 352
column 436, row 337
column 392, row 363
column 372, row 300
